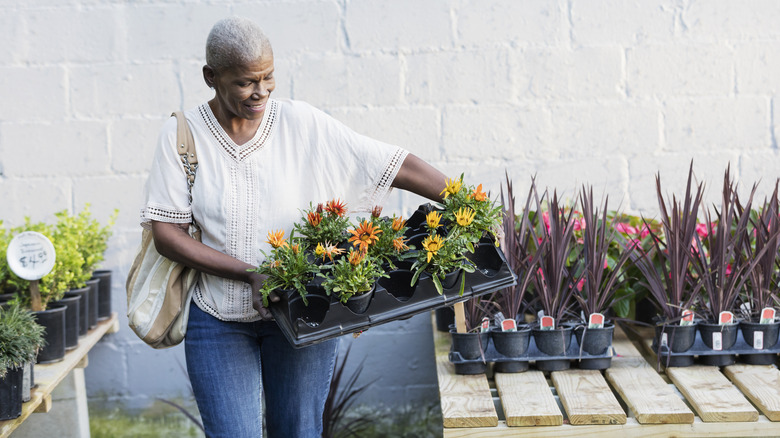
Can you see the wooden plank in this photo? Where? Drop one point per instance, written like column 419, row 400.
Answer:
column 586, row 397
column 761, row 384
column 711, row 394
column 632, row 428
column 647, row 395
column 527, row 399
column 84, row 362
column 45, row 405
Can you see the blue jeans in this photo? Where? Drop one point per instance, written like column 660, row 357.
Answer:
column 232, row 364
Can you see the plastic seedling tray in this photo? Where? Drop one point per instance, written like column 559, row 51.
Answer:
column 394, row 298
column 700, row 349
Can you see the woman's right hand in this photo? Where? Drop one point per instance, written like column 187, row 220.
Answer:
column 256, row 281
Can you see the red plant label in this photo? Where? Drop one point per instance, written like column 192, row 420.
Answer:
column 767, row 315
column 548, row 323
column 485, row 326
column 508, row 325
column 596, row 320
column 687, row 317
column 725, row 317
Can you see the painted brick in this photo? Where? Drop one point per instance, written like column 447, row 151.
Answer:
column 679, row 70
column 284, row 72
column 599, row 22
column 126, row 90
column 511, row 21
column 717, row 123
column 494, row 131
column 61, row 148
column 193, row 88
column 330, row 81
column 132, row 143
column 471, row 76
column 282, row 22
column 80, row 35
column 413, row 128
column 13, row 30
column 170, row 31
column 558, row 73
column 105, row 194
column 720, row 20
column 757, row 65
column 759, row 167
column 400, row 24
column 38, row 198
column 22, row 89
column 607, row 175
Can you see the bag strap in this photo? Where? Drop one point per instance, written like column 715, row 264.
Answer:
column 185, row 144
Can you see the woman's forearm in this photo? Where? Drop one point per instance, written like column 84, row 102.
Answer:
column 419, row 177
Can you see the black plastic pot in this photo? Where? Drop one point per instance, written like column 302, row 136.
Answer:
column 595, row 341
column 770, row 335
column 6, row 297
column 511, row 344
column 728, row 333
column 312, row 313
column 104, row 293
column 445, row 317
column 72, row 320
column 469, row 345
column 399, row 284
column 11, row 394
column 92, row 318
column 679, row 340
column 450, row 282
column 53, row 321
column 83, row 294
column 553, row 343
column 359, row 303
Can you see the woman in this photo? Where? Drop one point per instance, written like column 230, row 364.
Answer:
column 260, row 161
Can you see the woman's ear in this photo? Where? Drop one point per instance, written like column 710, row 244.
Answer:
column 210, row 76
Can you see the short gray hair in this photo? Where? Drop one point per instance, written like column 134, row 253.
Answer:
column 235, row 41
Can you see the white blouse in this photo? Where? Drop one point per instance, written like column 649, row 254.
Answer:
column 299, row 155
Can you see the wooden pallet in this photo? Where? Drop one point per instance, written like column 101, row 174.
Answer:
column 630, row 399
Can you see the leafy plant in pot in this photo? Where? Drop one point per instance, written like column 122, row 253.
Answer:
column 471, row 344
column 352, row 279
column 324, row 224
column 20, row 338
column 596, row 290
column 759, row 300
column 287, row 268
column 672, row 288
column 388, row 236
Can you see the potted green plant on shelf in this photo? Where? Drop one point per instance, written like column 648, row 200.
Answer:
column 287, row 267
column 20, row 340
column 323, row 224
column 352, row 279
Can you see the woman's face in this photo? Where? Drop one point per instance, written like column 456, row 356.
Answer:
column 243, row 91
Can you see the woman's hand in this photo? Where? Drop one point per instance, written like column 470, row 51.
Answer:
column 256, row 281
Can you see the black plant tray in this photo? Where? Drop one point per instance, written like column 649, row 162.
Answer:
column 394, row 298
column 699, row 348
column 532, row 354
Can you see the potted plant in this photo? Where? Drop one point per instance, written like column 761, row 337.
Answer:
column 672, row 288
column 287, row 267
column 352, row 279
column 599, row 282
column 471, row 344
column 324, row 224
column 470, row 213
column 390, row 246
column 759, row 300
column 20, row 338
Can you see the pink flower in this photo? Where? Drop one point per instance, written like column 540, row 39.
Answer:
column 579, row 224
column 728, row 269
column 581, row 284
column 625, row 228
column 546, row 219
column 606, row 265
column 702, row 230
column 644, row 231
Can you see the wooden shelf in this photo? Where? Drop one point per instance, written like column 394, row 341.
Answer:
column 48, row 376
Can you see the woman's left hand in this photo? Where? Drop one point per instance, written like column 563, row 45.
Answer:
column 256, row 281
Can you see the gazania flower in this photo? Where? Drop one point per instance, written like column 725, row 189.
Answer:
column 465, row 216
column 314, row 218
column 432, row 244
column 320, row 208
column 319, row 251
column 478, row 195
column 398, row 223
column 432, row 219
column 295, row 248
column 364, row 235
column 453, row 187
column 376, row 211
column 276, row 264
column 355, row 257
column 276, row 238
column 399, row 245
column 336, row 207
column 330, row 251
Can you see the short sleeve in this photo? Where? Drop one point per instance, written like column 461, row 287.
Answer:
column 166, row 198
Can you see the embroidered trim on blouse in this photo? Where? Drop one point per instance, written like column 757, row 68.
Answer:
column 227, row 144
column 162, row 214
column 385, row 180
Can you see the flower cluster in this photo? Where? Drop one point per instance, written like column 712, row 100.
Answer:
column 324, row 224
column 287, row 266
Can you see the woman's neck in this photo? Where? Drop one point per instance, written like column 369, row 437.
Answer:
column 239, row 130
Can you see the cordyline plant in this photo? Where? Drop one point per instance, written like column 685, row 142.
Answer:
column 762, row 288
column 475, row 309
column 670, row 283
column 342, row 395
column 718, row 262
column 595, row 292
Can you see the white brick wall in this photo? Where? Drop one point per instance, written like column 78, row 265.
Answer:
column 605, row 92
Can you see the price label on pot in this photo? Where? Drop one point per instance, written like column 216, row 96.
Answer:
column 485, row 325
column 725, row 317
column 596, row 320
column 687, row 317
column 717, row 341
column 758, row 340
column 767, row 315
column 30, row 255
column 508, row 325
column 548, row 323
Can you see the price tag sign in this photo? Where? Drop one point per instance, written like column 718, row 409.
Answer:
column 687, row 318
column 596, row 321
column 767, row 315
column 508, row 325
column 30, row 255
column 726, row 317
column 717, row 341
column 758, row 340
column 485, row 326
column 548, row 323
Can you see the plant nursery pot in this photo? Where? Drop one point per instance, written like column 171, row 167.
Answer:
column 769, row 338
column 72, row 320
column 470, row 346
column 313, row 313
column 679, row 339
column 595, row 341
column 445, row 317
column 511, row 344
column 104, row 293
column 728, row 334
column 359, row 303
column 83, row 294
column 6, row 297
column 553, row 343
column 93, row 285
column 53, row 321
column 11, row 394
column 399, row 284
column 451, row 280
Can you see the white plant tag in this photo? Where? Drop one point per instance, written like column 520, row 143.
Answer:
column 664, row 340
column 30, row 255
column 498, row 318
column 725, row 317
column 485, row 324
column 687, row 317
column 717, row 341
column 767, row 315
column 758, row 340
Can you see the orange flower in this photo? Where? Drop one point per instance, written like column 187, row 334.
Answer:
column 399, row 245
column 295, row 248
column 314, row 218
column 355, row 257
column 276, row 238
column 478, row 194
column 364, row 235
column 432, row 244
column 319, row 208
column 398, row 223
column 276, row 264
column 329, row 250
column 336, row 207
column 376, row 211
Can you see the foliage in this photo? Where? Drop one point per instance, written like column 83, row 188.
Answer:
column 341, row 398
column 441, row 255
column 90, row 238
column 470, row 213
column 475, row 309
column 8, row 281
column 324, row 224
column 351, row 275
column 20, row 337
column 287, row 267
column 390, row 245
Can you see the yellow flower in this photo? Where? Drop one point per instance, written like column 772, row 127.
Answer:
column 276, row 238
column 314, row 218
column 320, row 251
column 355, row 257
column 432, row 219
column 452, row 188
column 364, row 235
column 465, row 216
column 432, row 244
column 478, row 195
column 398, row 223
